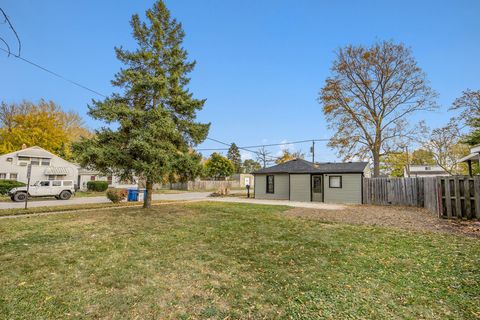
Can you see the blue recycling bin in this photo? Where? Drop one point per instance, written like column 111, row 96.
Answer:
column 132, row 195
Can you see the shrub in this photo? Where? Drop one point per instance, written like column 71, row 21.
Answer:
column 7, row 185
column 99, row 186
column 117, row 195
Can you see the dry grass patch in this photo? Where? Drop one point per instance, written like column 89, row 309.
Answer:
column 407, row 218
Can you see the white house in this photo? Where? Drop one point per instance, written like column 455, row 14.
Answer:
column 474, row 156
column 48, row 166
column 424, row 170
column 86, row 175
column 45, row 166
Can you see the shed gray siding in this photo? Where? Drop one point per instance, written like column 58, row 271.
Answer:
column 350, row 192
column 300, row 187
column 281, row 187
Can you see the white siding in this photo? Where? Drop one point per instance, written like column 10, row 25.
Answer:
column 38, row 171
column 350, row 192
column 281, row 187
column 300, row 187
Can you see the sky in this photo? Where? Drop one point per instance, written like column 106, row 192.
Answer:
column 260, row 64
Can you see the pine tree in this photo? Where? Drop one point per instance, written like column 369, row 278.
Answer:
column 234, row 156
column 153, row 122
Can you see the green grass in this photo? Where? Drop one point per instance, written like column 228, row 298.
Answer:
column 74, row 207
column 214, row 260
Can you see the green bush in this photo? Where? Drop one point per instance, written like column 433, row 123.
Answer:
column 117, row 195
column 7, row 185
column 99, row 186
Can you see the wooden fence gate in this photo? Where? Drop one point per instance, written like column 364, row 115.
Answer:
column 449, row 197
column 459, row 197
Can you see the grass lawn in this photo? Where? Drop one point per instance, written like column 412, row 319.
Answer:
column 220, row 260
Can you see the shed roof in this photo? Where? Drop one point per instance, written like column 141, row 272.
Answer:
column 303, row 166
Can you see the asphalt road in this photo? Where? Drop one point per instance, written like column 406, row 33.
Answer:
column 88, row 200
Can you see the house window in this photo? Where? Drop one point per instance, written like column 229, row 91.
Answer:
column 45, row 162
column 51, row 177
column 3, row 176
column 35, row 162
column 110, row 180
column 270, row 184
column 9, row 159
column 23, row 158
column 335, row 181
column 317, row 184
column 427, row 168
column 13, row 176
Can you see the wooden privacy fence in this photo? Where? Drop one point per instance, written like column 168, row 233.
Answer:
column 459, row 197
column 449, row 197
column 201, row 185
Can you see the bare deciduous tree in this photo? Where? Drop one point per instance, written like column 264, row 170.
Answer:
column 369, row 97
column 469, row 103
column 446, row 147
column 264, row 156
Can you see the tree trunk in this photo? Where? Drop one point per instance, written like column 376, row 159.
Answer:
column 147, row 201
column 376, row 163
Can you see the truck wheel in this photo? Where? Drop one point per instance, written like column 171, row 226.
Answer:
column 64, row 195
column 19, row 197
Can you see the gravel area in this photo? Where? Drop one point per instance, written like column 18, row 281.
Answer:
column 408, row 218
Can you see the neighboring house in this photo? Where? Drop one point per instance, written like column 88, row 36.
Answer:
column 474, row 156
column 301, row 180
column 86, row 175
column 243, row 179
column 45, row 166
column 424, row 170
column 48, row 166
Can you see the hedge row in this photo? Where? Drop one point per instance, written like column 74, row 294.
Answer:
column 7, row 185
column 99, row 186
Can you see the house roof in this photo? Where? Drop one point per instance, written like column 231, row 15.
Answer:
column 303, row 166
column 32, row 152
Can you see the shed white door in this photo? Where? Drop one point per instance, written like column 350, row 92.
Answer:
column 300, row 187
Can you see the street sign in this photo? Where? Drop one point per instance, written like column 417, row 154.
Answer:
column 29, row 174
column 29, row 171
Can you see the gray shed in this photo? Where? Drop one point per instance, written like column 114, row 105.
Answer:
column 301, row 180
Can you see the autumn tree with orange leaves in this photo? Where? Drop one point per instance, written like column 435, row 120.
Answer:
column 42, row 124
column 369, row 98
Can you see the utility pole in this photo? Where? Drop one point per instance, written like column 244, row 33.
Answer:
column 312, row 150
column 408, row 161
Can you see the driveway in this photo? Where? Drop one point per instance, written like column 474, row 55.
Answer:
column 184, row 196
column 295, row 204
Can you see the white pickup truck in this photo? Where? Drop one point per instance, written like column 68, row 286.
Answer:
column 60, row 189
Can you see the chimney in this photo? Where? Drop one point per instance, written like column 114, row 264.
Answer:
column 24, row 146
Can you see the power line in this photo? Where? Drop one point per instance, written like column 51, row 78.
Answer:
column 241, row 148
column 7, row 20
column 262, row 145
column 57, row 75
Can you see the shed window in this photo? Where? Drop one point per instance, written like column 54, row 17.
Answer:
column 270, row 184
column 335, row 181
